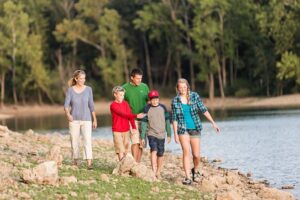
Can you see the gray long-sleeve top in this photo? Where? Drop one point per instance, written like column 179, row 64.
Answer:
column 82, row 104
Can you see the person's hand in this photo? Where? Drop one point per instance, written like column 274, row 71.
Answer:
column 176, row 138
column 94, row 124
column 134, row 131
column 169, row 140
column 142, row 143
column 70, row 118
column 215, row 126
column 141, row 115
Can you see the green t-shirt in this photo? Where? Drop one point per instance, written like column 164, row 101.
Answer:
column 136, row 96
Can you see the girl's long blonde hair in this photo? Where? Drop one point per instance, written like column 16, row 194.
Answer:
column 76, row 74
column 183, row 80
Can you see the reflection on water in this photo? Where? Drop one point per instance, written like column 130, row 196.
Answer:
column 264, row 142
column 46, row 123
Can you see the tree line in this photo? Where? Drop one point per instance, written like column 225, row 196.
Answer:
column 223, row 47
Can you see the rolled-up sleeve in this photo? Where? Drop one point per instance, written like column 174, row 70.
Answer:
column 200, row 104
column 91, row 101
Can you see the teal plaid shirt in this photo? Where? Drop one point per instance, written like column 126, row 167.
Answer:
column 196, row 106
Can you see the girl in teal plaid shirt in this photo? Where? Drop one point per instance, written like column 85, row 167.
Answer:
column 187, row 127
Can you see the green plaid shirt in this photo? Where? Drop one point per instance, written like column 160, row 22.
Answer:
column 196, row 105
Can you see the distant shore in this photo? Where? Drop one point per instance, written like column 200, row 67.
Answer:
column 102, row 107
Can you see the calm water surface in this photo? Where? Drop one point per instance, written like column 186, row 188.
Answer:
column 264, row 142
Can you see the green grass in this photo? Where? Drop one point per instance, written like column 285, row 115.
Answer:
column 118, row 187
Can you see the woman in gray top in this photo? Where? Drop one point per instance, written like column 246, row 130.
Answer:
column 81, row 116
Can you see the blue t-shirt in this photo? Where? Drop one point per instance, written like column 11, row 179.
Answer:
column 188, row 117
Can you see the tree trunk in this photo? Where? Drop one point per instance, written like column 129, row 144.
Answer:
column 231, row 72
column 168, row 62
column 178, row 65
column 74, row 53
column 189, row 44
column 268, row 84
column 2, row 89
column 61, row 71
column 236, row 64
column 14, row 81
column 39, row 97
column 14, row 41
column 148, row 63
column 222, row 56
column 211, row 86
column 220, row 83
column 126, row 70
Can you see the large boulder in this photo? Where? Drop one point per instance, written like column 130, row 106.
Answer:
column 229, row 195
column 141, row 171
column 128, row 166
column 275, row 194
column 207, row 186
column 125, row 165
column 45, row 173
column 55, row 155
column 4, row 132
column 66, row 180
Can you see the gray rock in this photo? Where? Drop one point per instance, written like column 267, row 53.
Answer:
column 45, row 173
column 55, row 155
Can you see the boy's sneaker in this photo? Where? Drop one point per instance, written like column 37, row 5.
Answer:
column 187, row 181
column 196, row 176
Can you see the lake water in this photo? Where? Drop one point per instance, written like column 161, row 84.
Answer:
column 263, row 142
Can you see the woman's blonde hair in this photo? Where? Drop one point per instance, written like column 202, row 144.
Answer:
column 183, row 80
column 76, row 74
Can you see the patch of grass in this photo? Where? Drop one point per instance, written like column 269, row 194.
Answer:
column 90, row 186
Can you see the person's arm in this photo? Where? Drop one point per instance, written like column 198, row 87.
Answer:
column 168, row 129
column 200, row 104
column 92, row 109
column 174, row 122
column 131, row 120
column 94, row 120
column 211, row 120
column 67, row 105
column 124, row 114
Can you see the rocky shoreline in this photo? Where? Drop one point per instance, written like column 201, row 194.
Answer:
column 30, row 162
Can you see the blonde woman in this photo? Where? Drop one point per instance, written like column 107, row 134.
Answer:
column 81, row 116
column 187, row 127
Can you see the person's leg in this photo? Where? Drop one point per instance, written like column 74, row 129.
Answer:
column 153, row 149
column 185, row 145
column 118, row 144
column 126, row 142
column 160, row 154
column 195, row 144
column 140, row 148
column 86, row 129
column 160, row 160
column 74, row 128
column 154, row 161
column 135, row 146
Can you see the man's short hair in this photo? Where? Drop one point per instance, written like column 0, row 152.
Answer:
column 136, row 71
column 117, row 89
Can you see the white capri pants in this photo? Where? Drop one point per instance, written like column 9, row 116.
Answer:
column 85, row 128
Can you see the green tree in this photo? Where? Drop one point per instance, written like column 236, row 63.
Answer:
column 15, row 27
column 289, row 67
column 102, row 33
